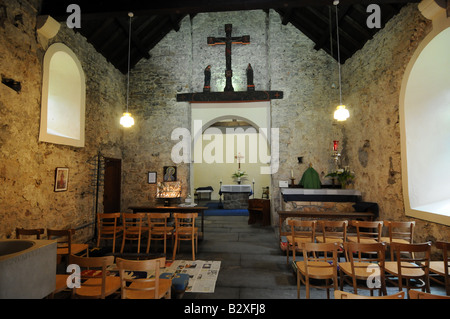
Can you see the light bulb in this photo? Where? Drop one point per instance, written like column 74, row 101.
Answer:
column 341, row 113
column 126, row 120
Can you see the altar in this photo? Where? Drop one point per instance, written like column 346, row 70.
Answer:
column 235, row 196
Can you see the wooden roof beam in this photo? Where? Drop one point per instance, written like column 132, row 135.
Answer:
column 100, row 9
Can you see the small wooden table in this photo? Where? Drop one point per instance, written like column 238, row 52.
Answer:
column 173, row 209
column 321, row 215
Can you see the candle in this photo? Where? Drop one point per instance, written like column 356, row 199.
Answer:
column 335, row 145
column 253, row 181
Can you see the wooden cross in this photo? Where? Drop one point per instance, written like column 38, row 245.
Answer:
column 238, row 157
column 228, row 40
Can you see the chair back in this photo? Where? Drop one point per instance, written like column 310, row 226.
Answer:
column 29, row 232
column 185, row 221
column 412, row 257
column 108, row 223
column 368, row 230
column 360, row 254
column 158, row 221
column 334, row 230
column 445, row 247
column 133, row 287
column 63, row 238
column 339, row 294
column 416, row 294
column 94, row 275
column 303, row 230
column 133, row 223
column 401, row 230
column 321, row 264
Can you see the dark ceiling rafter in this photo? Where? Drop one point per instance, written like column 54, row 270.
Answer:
column 105, row 23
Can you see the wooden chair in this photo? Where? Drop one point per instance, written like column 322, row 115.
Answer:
column 108, row 228
column 364, row 261
column 412, row 262
column 333, row 231
column 313, row 267
column 185, row 230
column 29, row 232
column 366, row 232
column 96, row 282
column 150, row 287
column 134, row 226
column 441, row 268
column 159, row 229
column 65, row 246
column 414, row 294
column 302, row 231
column 339, row 294
column 398, row 232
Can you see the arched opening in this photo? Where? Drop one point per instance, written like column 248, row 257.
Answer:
column 226, row 137
column 425, row 119
column 63, row 98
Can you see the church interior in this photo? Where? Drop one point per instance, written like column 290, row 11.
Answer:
column 224, row 106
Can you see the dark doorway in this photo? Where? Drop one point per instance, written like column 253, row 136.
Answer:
column 112, row 188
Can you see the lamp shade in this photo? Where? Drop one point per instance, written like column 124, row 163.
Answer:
column 341, row 113
column 126, row 120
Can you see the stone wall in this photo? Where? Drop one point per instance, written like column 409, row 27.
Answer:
column 27, row 166
column 282, row 59
column 371, row 89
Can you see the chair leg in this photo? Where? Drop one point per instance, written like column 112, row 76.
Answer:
column 123, row 244
column 175, row 248
column 298, row 284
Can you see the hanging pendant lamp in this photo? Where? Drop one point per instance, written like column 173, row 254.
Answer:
column 341, row 113
column 127, row 120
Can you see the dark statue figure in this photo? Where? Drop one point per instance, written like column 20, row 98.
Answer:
column 250, row 84
column 207, row 85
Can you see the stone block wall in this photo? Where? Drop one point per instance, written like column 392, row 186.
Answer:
column 27, row 166
column 371, row 90
column 282, row 59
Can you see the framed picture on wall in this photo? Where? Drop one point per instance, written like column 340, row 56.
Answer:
column 152, row 177
column 170, row 174
column 61, row 179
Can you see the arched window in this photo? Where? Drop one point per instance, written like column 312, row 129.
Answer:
column 63, row 98
column 425, row 114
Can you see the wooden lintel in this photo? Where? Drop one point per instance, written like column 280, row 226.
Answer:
column 240, row 96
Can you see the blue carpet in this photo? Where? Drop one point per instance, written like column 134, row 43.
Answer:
column 214, row 209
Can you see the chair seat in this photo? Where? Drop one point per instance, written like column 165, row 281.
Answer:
column 437, row 267
column 112, row 284
column 391, row 267
column 61, row 283
column 316, row 269
column 361, row 269
column 75, row 248
column 110, row 229
column 354, row 239
column 329, row 240
column 161, row 230
column 394, row 240
column 187, row 231
column 164, row 288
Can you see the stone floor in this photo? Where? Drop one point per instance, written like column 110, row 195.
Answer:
column 253, row 266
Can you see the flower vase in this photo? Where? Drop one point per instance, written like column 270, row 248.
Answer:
column 239, row 181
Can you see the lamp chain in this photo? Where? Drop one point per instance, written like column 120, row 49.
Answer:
column 339, row 55
column 129, row 53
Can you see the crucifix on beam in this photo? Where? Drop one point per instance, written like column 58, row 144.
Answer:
column 228, row 40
